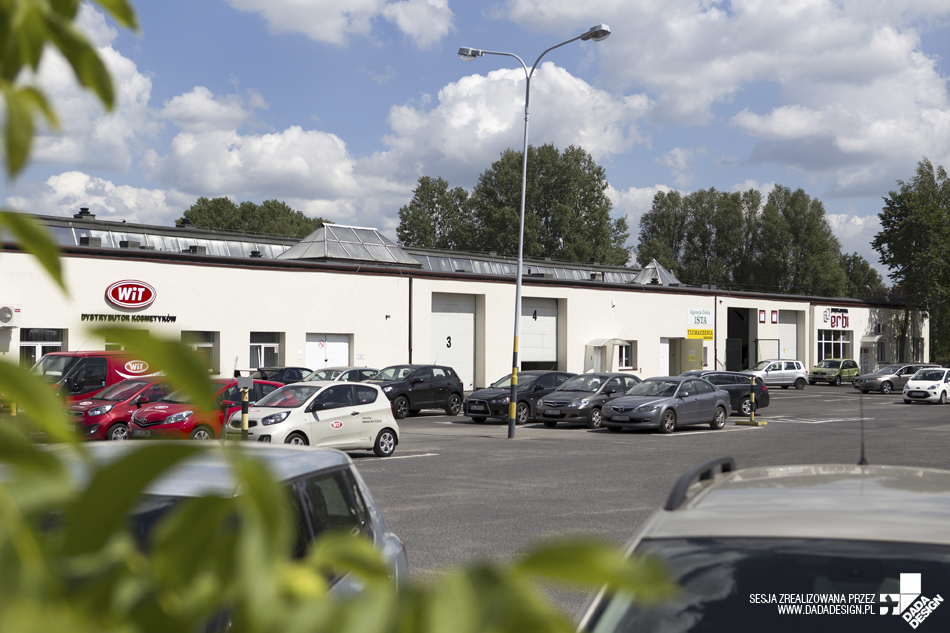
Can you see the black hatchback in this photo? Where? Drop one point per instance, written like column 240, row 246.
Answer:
column 493, row 401
column 739, row 387
column 412, row 388
column 581, row 398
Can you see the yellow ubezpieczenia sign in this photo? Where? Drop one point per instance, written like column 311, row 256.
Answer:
column 706, row 335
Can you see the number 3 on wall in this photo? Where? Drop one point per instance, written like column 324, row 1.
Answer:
column 448, row 341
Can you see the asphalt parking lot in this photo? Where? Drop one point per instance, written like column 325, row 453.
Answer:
column 456, row 490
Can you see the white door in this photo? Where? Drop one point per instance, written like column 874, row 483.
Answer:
column 865, row 360
column 788, row 334
column 538, row 340
column 327, row 350
column 453, row 334
column 664, row 360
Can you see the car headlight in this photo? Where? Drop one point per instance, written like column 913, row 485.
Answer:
column 387, row 389
column 100, row 410
column 504, row 400
column 575, row 404
column 275, row 418
column 933, row 386
column 178, row 417
column 647, row 407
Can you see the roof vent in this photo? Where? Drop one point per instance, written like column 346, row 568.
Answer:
column 84, row 214
column 198, row 250
column 85, row 240
column 256, row 254
column 185, row 223
column 130, row 244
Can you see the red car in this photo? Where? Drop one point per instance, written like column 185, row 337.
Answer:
column 106, row 415
column 174, row 417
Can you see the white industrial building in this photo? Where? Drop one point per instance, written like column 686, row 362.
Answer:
column 349, row 296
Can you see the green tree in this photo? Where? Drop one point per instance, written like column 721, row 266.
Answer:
column 436, row 217
column 913, row 243
column 271, row 217
column 567, row 211
column 861, row 280
column 664, row 232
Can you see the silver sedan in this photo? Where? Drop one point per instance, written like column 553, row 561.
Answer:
column 667, row 402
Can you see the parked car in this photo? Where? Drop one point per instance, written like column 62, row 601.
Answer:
column 820, row 548
column 582, row 398
column 79, row 375
column 738, row 386
column 668, row 402
column 343, row 374
column 341, row 415
column 780, row 373
column 412, row 388
column 325, row 489
column 493, row 401
column 285, row 375
column 931, row 384
column 174, row 417
column 834, row 371
column 106, row 415
column 887, row 379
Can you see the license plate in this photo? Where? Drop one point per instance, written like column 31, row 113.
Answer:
column 75, row 428
column 141, row 433
column 621, row 418
column 917, row 394
column 476, row 407
column 551, row 412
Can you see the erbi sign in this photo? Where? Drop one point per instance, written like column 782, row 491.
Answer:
column 130, row 294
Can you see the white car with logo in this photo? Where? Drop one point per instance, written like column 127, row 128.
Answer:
column 342, row 415
column 930, row 384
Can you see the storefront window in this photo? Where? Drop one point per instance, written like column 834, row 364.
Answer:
column 35, row 342
column 628, row 355
column 206, row 344
column 265, row 349
column 834, row 344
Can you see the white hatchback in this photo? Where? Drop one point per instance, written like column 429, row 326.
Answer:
column 342, row 415
column 930, row 384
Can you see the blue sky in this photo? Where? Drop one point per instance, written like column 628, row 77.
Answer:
column 338, row 106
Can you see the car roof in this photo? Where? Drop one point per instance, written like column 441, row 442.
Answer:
column 209, row 473
column 835, row 501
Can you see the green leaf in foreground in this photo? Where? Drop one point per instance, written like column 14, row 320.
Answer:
column 38, row 401
column 36, row 240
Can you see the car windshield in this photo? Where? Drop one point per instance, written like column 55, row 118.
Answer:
column 890, row 369
column 120, row 390
column 324, row 374
column 178, row 397
column 830, row 364
column 523, row 382
column 289, row 397
column 655, row 388
column 52, row 368
column 396, row 372
column 929, row 374
column 589, row 384
column 779, row 585
column 762, row 365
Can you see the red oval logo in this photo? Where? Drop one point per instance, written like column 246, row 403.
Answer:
column 136, row 366
column 336, row 425
column 130, row 294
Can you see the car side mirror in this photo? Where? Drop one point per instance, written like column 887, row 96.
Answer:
column 418, row 380
column 611, row 392
column 141, row 401
column 683, row 394
column 539, row 387
column 315, row 406
column 227, row 404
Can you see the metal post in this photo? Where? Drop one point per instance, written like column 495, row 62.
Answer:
column 244, row 393
column 752, row 399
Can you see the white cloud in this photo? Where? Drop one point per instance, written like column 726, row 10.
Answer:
column 336, row 21
column 855, row 234
column 678, row 160
column 200, row 111
column 633, row 203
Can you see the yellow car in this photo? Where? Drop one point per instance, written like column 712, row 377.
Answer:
column 834, row 371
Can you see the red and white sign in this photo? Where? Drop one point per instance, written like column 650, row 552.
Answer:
column 336, row 424
column 136, row 367
column 130, row 294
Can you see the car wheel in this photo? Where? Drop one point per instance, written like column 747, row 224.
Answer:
column 719, row 420
column 400, row 407
column 886, row 388
column 454, row 404
column 118, row 431
column 385, row 443
column 800, row 384
column 297, row 439
column 549, row 423
column 837, row 382
column 479, row 418
column 521, row 413
column 202, row 433
column 594, row 421
column 414, row 411
column 745, row 407
column 943, row 398
column 668, row 423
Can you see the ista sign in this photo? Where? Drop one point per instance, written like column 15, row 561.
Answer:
column 130, row 294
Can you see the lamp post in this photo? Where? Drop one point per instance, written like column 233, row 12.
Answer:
column 597, row 33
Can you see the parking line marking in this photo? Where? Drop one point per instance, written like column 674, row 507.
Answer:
column 812, row 421
column 723, row 430
column 411, row 456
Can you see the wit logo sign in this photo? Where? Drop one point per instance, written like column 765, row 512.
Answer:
column 130, row 294
column 910, row 604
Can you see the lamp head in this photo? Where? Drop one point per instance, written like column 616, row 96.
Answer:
column 469, row 54
column 598, row 33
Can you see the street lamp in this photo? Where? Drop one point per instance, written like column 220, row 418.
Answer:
column 597, row 33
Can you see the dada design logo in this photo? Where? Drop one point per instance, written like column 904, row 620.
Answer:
column 909, row 603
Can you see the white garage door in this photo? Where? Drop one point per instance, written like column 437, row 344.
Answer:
column 788, row 333
column 453, row 334
column 538, row 343
column 327, row 350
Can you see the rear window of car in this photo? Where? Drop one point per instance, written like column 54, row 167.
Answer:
column 782, row 585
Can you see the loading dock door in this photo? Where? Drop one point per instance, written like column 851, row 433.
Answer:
column 453, row 334
column 327, row 350
column 788, row 334
column 538, row 341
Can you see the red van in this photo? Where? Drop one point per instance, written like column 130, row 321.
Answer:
column 79, row 375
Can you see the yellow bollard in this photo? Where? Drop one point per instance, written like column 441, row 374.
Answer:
column 751, row 421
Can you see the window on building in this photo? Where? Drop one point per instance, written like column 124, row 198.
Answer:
column 834, row 344
column 882, row 352
column 918, row 350
column 206, row 344
column 35, row 342
column 628, row 355
column 265, row 349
